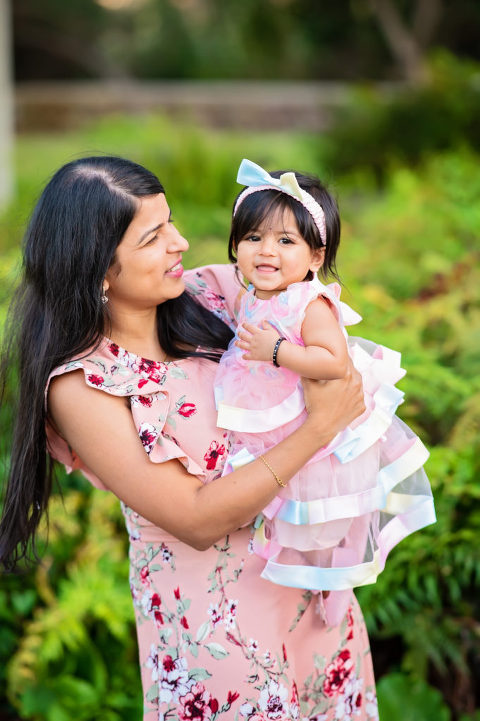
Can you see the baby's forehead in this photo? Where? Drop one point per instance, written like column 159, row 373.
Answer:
column 279, row 219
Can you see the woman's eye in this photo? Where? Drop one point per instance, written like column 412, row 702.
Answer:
column 152, row 240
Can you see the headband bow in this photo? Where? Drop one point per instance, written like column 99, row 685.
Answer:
column 256, row 178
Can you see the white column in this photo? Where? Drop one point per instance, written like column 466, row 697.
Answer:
column 6, row 105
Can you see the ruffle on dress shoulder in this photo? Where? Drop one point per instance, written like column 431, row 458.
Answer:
column 299, row 295
column 119, row 373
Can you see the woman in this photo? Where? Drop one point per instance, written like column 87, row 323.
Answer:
column 103, row 273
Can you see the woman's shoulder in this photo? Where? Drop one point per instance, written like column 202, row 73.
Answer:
column 112, row 369
column 110, row 383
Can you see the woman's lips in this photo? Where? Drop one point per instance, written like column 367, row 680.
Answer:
column 176, row 271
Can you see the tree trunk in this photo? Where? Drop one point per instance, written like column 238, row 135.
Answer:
column 408, row 44
column 6, row 105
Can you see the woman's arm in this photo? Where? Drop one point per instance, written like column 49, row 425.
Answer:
column 324, row 355
column 100, row 428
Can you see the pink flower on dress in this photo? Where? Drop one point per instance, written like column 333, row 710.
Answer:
column 114, row 349
column 145, row 575
column 153, row 662
column 371, row 706
column 167, row 555
column 350, row 623
column 214, row 301
column 95, row 380
column 148, row 436
column 337, row 673
column 197, row 704
column 215, row 615
column 153, row 607
column 184, row 622
column 145, row 401
column 350, row 704
column 174, row 680
column 232, row 696
column 294, row 703
column 247, row 710
column 230, row 617
column 146, row 366
column 187, row 409
column 213, row 454
column 273, row 700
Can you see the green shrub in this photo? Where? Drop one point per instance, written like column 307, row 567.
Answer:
column 378, row 130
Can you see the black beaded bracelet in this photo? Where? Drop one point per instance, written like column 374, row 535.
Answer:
column 275, row 351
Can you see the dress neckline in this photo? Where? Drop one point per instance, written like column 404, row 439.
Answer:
column 289, row 289
column 122, row 353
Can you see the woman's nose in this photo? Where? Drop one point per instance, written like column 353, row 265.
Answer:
column 178, row 242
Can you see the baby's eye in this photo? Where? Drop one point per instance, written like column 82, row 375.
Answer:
column 254, row 238
column 285, row 241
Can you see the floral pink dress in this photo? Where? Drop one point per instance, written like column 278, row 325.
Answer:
column 215, row 639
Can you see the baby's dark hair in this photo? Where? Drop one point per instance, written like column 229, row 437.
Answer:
column 256, row 207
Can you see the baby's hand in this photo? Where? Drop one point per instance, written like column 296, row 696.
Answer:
column 258, row 343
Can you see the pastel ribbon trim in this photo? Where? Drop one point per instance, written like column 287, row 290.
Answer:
column 256, row 178
column 356, row 441
column 301, row 513
column 384, row 363
column 258, row 421
column 419, row 513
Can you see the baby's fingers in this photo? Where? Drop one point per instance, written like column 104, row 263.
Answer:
column 243, row 344
column 250, row 328
column 266, row 325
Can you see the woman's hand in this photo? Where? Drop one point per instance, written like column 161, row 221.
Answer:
column 338, row 401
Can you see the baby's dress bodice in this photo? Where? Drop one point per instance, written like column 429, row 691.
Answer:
column 272, row 395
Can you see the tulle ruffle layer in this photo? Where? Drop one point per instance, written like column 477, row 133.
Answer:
column 334, row 525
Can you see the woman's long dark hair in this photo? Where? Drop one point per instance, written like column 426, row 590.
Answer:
column 57, row 313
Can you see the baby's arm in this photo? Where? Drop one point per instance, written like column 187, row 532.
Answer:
column 324, row 356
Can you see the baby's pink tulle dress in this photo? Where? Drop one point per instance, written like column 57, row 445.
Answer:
column 333, row 526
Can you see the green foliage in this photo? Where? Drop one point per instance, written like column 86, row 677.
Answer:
column 409, row 261
column 401, row 698
column 376, row 132
column 76, row 655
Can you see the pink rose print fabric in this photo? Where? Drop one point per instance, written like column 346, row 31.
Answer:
column 215, row 640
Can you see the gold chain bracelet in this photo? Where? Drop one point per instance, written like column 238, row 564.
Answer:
column 278, row 480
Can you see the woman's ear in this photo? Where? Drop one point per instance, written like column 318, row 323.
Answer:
column 318, row 257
